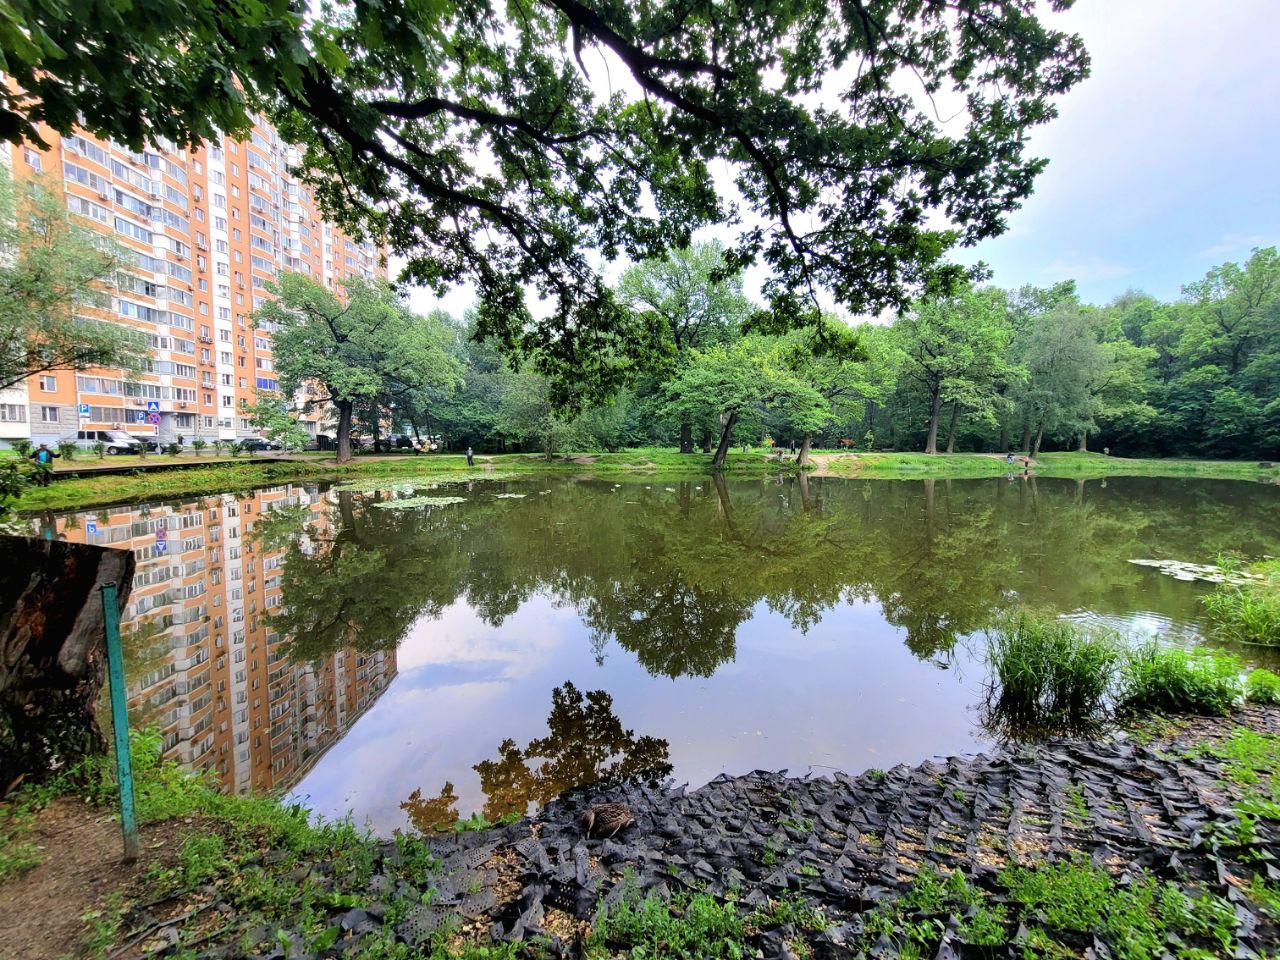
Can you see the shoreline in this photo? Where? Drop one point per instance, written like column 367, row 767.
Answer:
column 214, row 477
column 1156, row 822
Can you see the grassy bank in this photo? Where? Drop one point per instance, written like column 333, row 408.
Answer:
column 1072, row 465
column 658, row 463
column 162, row 484
column 243, row 876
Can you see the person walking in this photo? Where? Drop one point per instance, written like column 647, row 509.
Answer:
column 471, row 460
column 44, row 458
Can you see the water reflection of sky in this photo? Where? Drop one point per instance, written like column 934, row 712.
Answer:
column 847, row 695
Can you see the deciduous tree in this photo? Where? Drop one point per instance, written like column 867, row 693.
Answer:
column 357, row 351
column 480, row 141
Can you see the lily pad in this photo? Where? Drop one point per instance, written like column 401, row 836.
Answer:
column 1182, row 570
column 407, row 503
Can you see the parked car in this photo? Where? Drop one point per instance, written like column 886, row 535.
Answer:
column 151, row 443
column 115, row 441
column 258, row 444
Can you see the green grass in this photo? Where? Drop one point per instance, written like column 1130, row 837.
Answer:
column 281, row 873
column 1248, row 612
column 1262, row 686
column 1049, row 673
column 1063, row 464
column 1055, row 910
column 1172, row 680
column 232, row 475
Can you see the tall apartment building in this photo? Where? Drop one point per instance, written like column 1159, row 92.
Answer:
column 202, row 662
column 207, row 228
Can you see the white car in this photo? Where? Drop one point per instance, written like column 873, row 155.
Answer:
column 116, row 441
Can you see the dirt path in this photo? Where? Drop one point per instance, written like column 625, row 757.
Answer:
column 42, row 912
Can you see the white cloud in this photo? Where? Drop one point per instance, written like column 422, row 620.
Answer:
column 1084, row 269
column 1236, row 243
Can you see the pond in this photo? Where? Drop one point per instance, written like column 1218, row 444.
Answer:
column 420, row 652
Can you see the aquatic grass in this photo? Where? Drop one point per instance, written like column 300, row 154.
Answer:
column 1248, row 612
column 1048, row 673
column 1262, row 686
column 1173, row 680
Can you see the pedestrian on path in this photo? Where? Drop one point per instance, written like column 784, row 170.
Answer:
column 471, row 460
column 44, row 458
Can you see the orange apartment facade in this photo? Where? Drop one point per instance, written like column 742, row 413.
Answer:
column 207, row 228
column 203, row 664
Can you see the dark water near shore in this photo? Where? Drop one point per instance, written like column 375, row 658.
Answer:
column 426, row 662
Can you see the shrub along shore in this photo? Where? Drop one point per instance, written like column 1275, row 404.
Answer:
column 649, row 462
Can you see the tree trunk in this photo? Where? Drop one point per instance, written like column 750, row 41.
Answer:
column 1084, row 442
column 722, row 451
column 1039, row 436
column 802, row 479
column 686, row 438
column 935, row 408
column 344, row 430
column 1026, row 437
column 951, row 431
column 706, row 441
column 377, row 427
column 1004, row 437
column 805, row 444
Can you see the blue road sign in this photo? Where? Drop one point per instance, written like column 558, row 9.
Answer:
column 84, row 409
column 161, row 534
column 91, row 527
column 162, row 546
column 139, row 417
column 153, row 418
column 153, row 406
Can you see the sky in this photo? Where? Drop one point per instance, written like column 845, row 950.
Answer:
column 1162, row 165
column 1165, row 162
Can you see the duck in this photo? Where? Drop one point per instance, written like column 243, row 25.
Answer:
column 605, row 819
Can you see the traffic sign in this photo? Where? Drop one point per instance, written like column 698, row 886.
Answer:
column 139, row 417
column 161, row 534
column 90, row 528
column 153, row 418
column 153, row 406
column 161, row 546
column 84, row 409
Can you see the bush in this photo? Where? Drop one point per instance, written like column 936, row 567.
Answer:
column 1049, row 673
column 67, row 449
column 1248, row 612
column 1173, row 680
column 172, row 449
column 99, row 449
column 22, row 446
column 1262, row 686
column 198, row 445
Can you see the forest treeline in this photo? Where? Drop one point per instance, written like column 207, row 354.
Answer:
column 983, row 370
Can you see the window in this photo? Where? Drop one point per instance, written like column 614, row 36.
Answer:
column 48, row 384
column 48, row 414
column 13, row 413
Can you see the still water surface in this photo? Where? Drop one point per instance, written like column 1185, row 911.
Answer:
column 416, row 664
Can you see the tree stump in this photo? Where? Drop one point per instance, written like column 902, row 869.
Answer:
column 53, row 651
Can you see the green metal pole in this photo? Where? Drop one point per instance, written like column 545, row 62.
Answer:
column 120, row 720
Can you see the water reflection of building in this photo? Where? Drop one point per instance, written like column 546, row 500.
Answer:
column 203, row 664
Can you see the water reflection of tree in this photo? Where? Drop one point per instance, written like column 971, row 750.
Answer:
column 586, row 744
column 672, row 574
